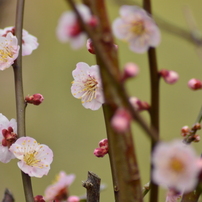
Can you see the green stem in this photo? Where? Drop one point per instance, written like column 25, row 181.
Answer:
column 154, row 110
column 20, row 104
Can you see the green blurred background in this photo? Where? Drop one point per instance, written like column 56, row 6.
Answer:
column 73, row 131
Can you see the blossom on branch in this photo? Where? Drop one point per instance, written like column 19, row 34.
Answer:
column 195, row 84
column 169, row 76
column 176, row 166
column 9, row 50
column 69, row 30
column 35, row 158
column 87, row 86
column 8, row 136
column 137, row 28
column 102, row 150
column 59, row 190
column 29, row 42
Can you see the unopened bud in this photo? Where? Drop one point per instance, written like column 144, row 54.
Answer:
column 196, row 138
column 93, row 22
column 185, row 129
column 169, row 76
column 100, row 152
column 39, row 198
column 138, row 104
column 35, row 99
column 121, row 120
column 195, row 84
column 196, row 126
column 89, row 46
column 103, row 143
column 130, row 70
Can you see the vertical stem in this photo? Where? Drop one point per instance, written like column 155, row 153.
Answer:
column 20, row 104
column 154, row 110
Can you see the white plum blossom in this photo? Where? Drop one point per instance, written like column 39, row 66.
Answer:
column 35, row 158
column 29, row 42
column 69, row 30
column 59, row 190
column 87, row 86
column 8, row 130
column 9, row 50
column 137, row 28
column 176, row 166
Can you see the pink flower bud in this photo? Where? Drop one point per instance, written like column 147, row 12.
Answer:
column 121, row 120
column 73, row 199
column 35, row 99
column 74, row 30
column 93, row 22
column 99, row 152
column 89, row 45
column 104, row 143
column 170, row 77
column 185, row 131
column 196, row 126
column 195, row 84
column 196, row 138
column 130, row 70
column 39, row 198
column 138, row 104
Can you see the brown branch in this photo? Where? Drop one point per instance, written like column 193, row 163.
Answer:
column 20, row 104
column 154, row 109
column 92, row 184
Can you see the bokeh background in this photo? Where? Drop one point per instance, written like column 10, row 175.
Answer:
column 73, row 131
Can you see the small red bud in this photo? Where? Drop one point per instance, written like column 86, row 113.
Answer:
column 39, row 198
column 195, row 84
column 169, row 76
column 35, row 99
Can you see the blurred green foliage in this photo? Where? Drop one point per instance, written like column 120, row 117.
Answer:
column 73, row 131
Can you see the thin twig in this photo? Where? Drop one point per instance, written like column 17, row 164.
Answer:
column 154, row 109
column 20, row 104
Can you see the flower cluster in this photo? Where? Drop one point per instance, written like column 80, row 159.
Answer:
column 137, row 28
column 87, row 86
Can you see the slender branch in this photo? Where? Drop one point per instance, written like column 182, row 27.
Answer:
column 20, row 104
column 92, row 184
column 120, row 90
column 154, row 109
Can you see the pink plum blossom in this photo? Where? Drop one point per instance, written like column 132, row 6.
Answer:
column 29, row 42
column 69, row 30
column 9, row 50
column 8, row 130
column 87, row 86
column 59, row 190
column 137, row 28
column 195, row 84
column 175, row 166
column 35, row 158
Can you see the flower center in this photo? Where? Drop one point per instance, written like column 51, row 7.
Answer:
column 137, row 27
column 30, row 159
column 176, row 165
column 5, row 53
column 90, row 87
